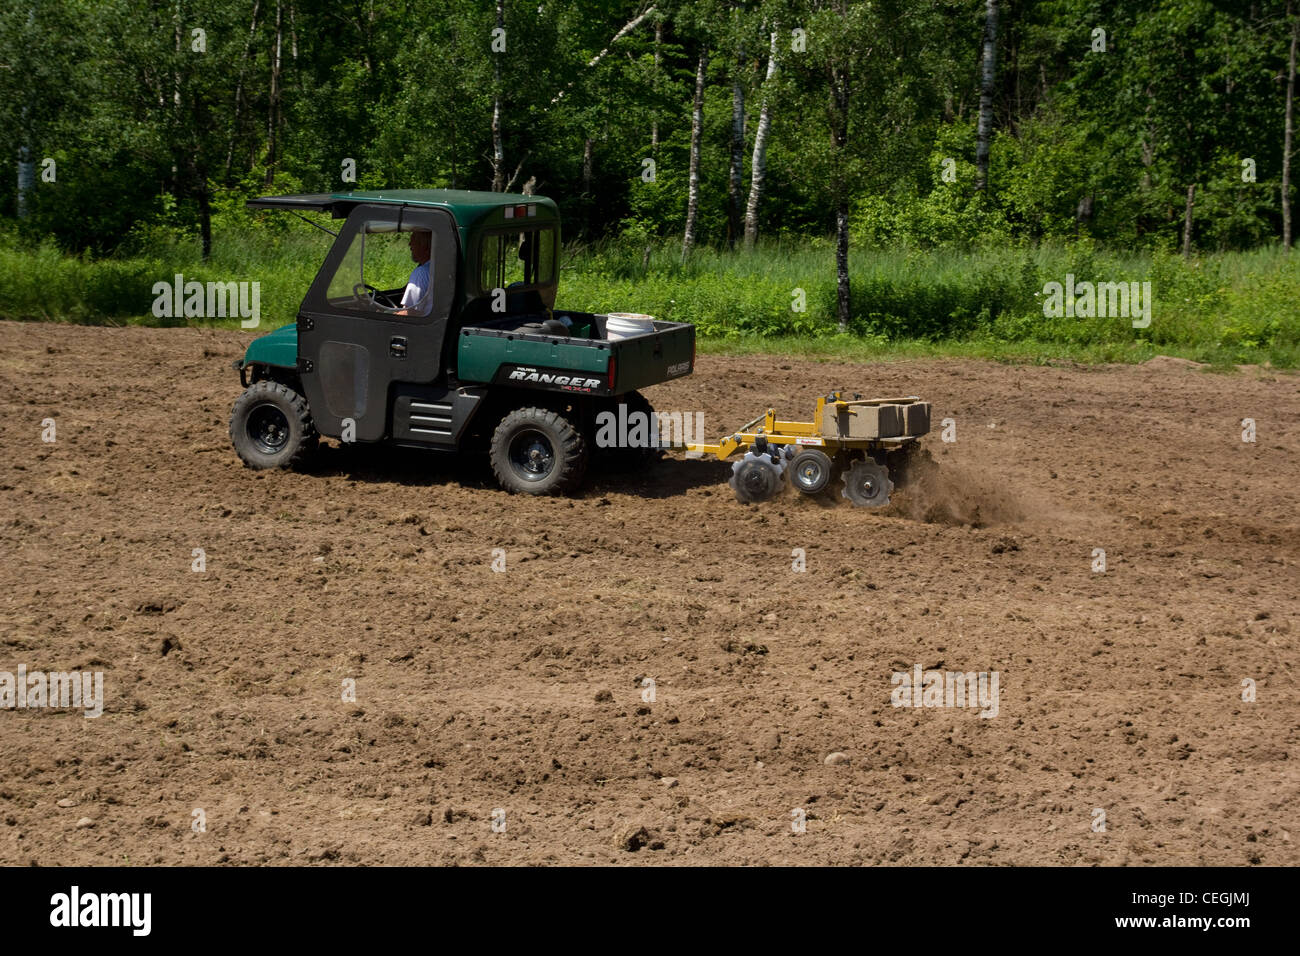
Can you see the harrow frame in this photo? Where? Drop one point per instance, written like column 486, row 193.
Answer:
column 809, row 434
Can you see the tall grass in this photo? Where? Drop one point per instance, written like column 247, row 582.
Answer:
column 1221, row 308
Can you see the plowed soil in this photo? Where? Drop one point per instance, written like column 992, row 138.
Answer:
column 523, row 693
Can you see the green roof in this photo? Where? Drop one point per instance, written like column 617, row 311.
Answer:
column 468, row 206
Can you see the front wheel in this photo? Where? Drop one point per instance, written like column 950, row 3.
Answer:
column 536, row 451
column 271, row 426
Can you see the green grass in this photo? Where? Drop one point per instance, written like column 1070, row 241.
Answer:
column 847, row 348
column 1223, row 309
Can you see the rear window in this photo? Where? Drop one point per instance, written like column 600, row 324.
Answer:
column 517, row 259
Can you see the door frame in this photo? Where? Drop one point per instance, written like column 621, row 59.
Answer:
column 348, row 354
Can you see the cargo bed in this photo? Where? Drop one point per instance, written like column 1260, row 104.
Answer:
column 518, row 351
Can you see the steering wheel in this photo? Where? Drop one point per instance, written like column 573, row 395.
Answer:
column 364, row 296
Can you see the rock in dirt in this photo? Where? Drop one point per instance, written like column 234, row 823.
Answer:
column 632, row 838
column 85, row 822
column 836, row 759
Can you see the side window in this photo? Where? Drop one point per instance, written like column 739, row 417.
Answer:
column 386, row 270
column 519, row 258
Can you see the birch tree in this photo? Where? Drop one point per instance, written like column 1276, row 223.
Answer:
column 697, row 132
column 498, row 145
column 758, row 163
column 1289, row 126
column 988, row 60
column 736, row 172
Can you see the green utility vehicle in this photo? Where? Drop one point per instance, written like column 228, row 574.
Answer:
column 468, row 354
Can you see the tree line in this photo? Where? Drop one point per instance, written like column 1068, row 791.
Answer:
column 1138, row 122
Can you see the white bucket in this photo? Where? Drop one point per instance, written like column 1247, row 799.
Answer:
column 624, row 325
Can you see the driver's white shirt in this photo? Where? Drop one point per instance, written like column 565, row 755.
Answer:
column 417, row 290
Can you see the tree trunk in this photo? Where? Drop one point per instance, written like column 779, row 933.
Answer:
column 839, row 114
column 758, row 164
column 586, row 167
column 842, row 264
column 654, row 122
column 239, row 92
column 26, row 168
column 510, row 183
column 984, row 130
column 498, row 148
column 697, row 128
column 1187, row 221
column 1288, row 131
column 177, row 182
column 735, row 184
column 273, row 103
column 627, row 28
column 205, row 213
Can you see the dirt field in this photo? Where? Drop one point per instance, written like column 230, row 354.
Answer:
column 522, row 691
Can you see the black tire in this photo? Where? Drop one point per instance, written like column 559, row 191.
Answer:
column 810, row 471
column 536, row 451
column 867, row 484
column 621, row 459
column 271, row 426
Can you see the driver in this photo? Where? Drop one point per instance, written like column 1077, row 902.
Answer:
column 416, row 299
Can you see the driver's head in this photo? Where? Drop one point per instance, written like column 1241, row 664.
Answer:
column 421, row 245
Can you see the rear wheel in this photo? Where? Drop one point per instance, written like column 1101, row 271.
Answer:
column 271, row 426
column 536, row 451
column 867, row 484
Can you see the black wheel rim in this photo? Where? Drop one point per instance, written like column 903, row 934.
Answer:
column 532, row 456
column 268, row 427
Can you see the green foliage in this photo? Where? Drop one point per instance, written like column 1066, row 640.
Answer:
column 1092, row 155
column 1224, row 308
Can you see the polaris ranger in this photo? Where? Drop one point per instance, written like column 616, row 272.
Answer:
column 480, row 361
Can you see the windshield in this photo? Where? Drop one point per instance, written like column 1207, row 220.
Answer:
column 385, row 270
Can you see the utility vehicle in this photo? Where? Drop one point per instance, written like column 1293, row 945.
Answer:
column 483, row 362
